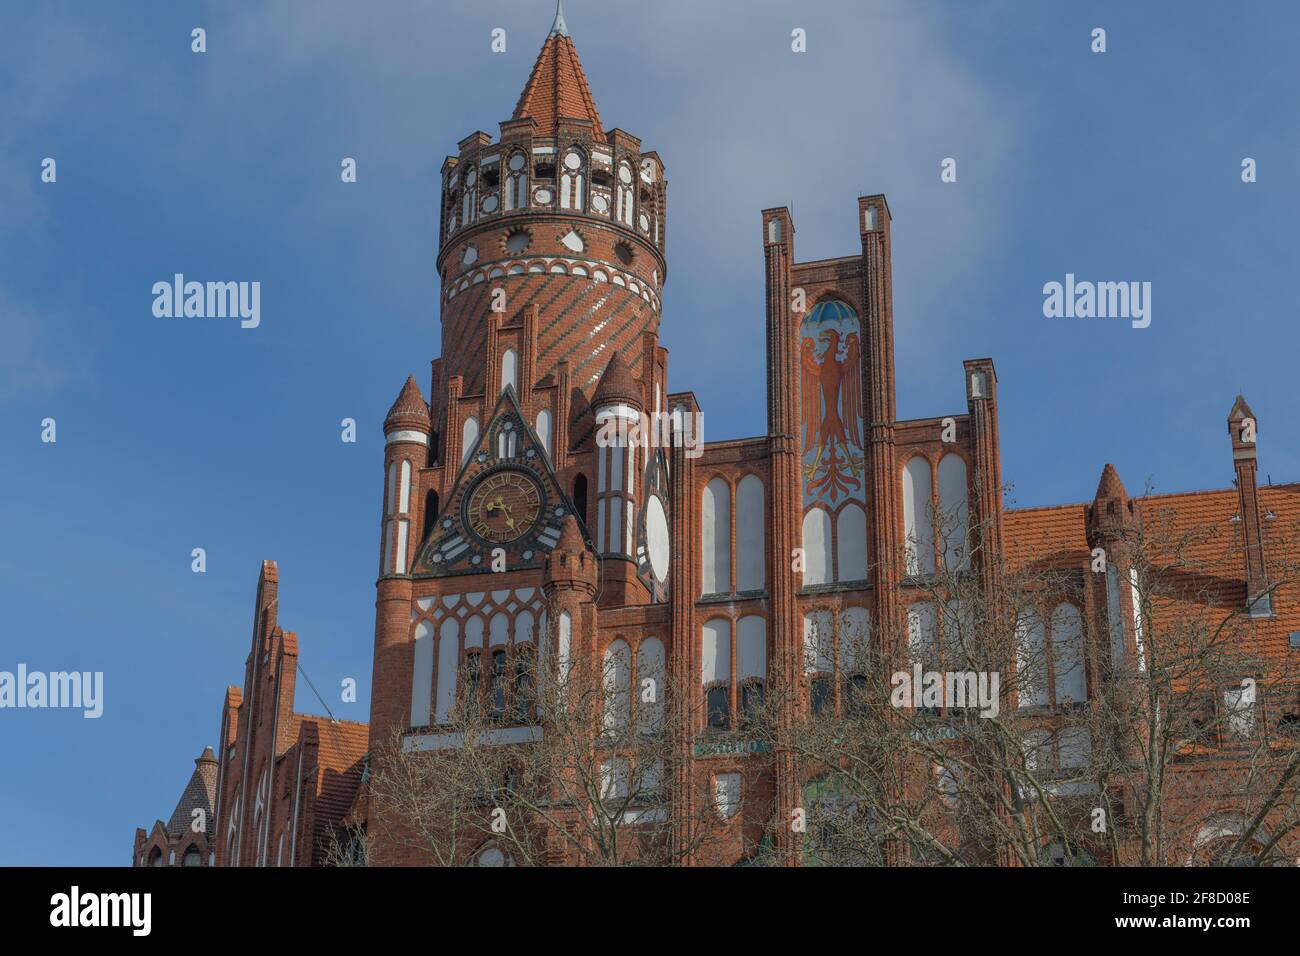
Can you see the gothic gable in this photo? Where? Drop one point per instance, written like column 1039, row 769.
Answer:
column 506, row 504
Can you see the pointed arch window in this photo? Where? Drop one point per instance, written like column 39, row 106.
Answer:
column 649, row 701
column 469, row 438
column 573, row 181
column 751, row 555
column 715, row 533
column 543, row 430
column 918, row 516
column 715, row 673
column 516, row 181
column 954, row 513
column 617, row 711
column 469, row 201
column 625, row 193
column 751, row 667
column 510, row 370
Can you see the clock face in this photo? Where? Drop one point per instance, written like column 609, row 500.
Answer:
column 503, row 506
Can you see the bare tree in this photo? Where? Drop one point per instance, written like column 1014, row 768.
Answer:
column 1022, row 715
column 553, row 762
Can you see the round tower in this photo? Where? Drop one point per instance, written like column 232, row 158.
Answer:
column 406, row 451
column 617, row 406
column 558, row 213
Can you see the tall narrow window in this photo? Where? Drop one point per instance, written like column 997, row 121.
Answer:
column 544, row 431
column 430, row 513
column 716, row 538
column 1115, row 618
column 819, row 695
column 516, row 181
column 498, row 684
column 954, row 513
column 1031, row 659
column 751, row 666
column 422, row 680
column 572, row 181
column 625, row 193
column 851, row 543
column 469, row 438
column 1136, row 597
column 819, row 658
column 580, row 497
column 469, row 210
column 564, row 646
column 716, row 672
column 918, row 517
column 817, row 542
column 510, row 370
column 751, row 556
column 448, row 652
column 618, row 688
column 1067, row 655
column 525, row 682
column 923, row 635
column 855, row 653
column 472, row 677
column 650, row 685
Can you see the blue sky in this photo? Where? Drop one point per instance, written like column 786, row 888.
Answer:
column 176, row 434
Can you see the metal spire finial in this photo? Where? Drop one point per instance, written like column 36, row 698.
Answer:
column 559, row 27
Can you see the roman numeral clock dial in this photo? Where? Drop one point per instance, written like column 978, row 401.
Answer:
column 503, row 506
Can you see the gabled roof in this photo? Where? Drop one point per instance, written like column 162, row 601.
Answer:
column 340, row 757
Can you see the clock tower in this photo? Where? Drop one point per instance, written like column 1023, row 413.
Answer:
column 551, row 261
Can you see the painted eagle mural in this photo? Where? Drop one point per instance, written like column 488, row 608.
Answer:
column 831, row 360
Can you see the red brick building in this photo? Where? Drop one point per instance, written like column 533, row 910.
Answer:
column 186, row 838
column 505, row 520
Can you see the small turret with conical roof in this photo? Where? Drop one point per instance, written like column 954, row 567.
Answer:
column 571, row 566
column 617, row 385
column 409, row 411
column 1111, row 526
column 407, row 428
column 1111, row 511
column 619, row 441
